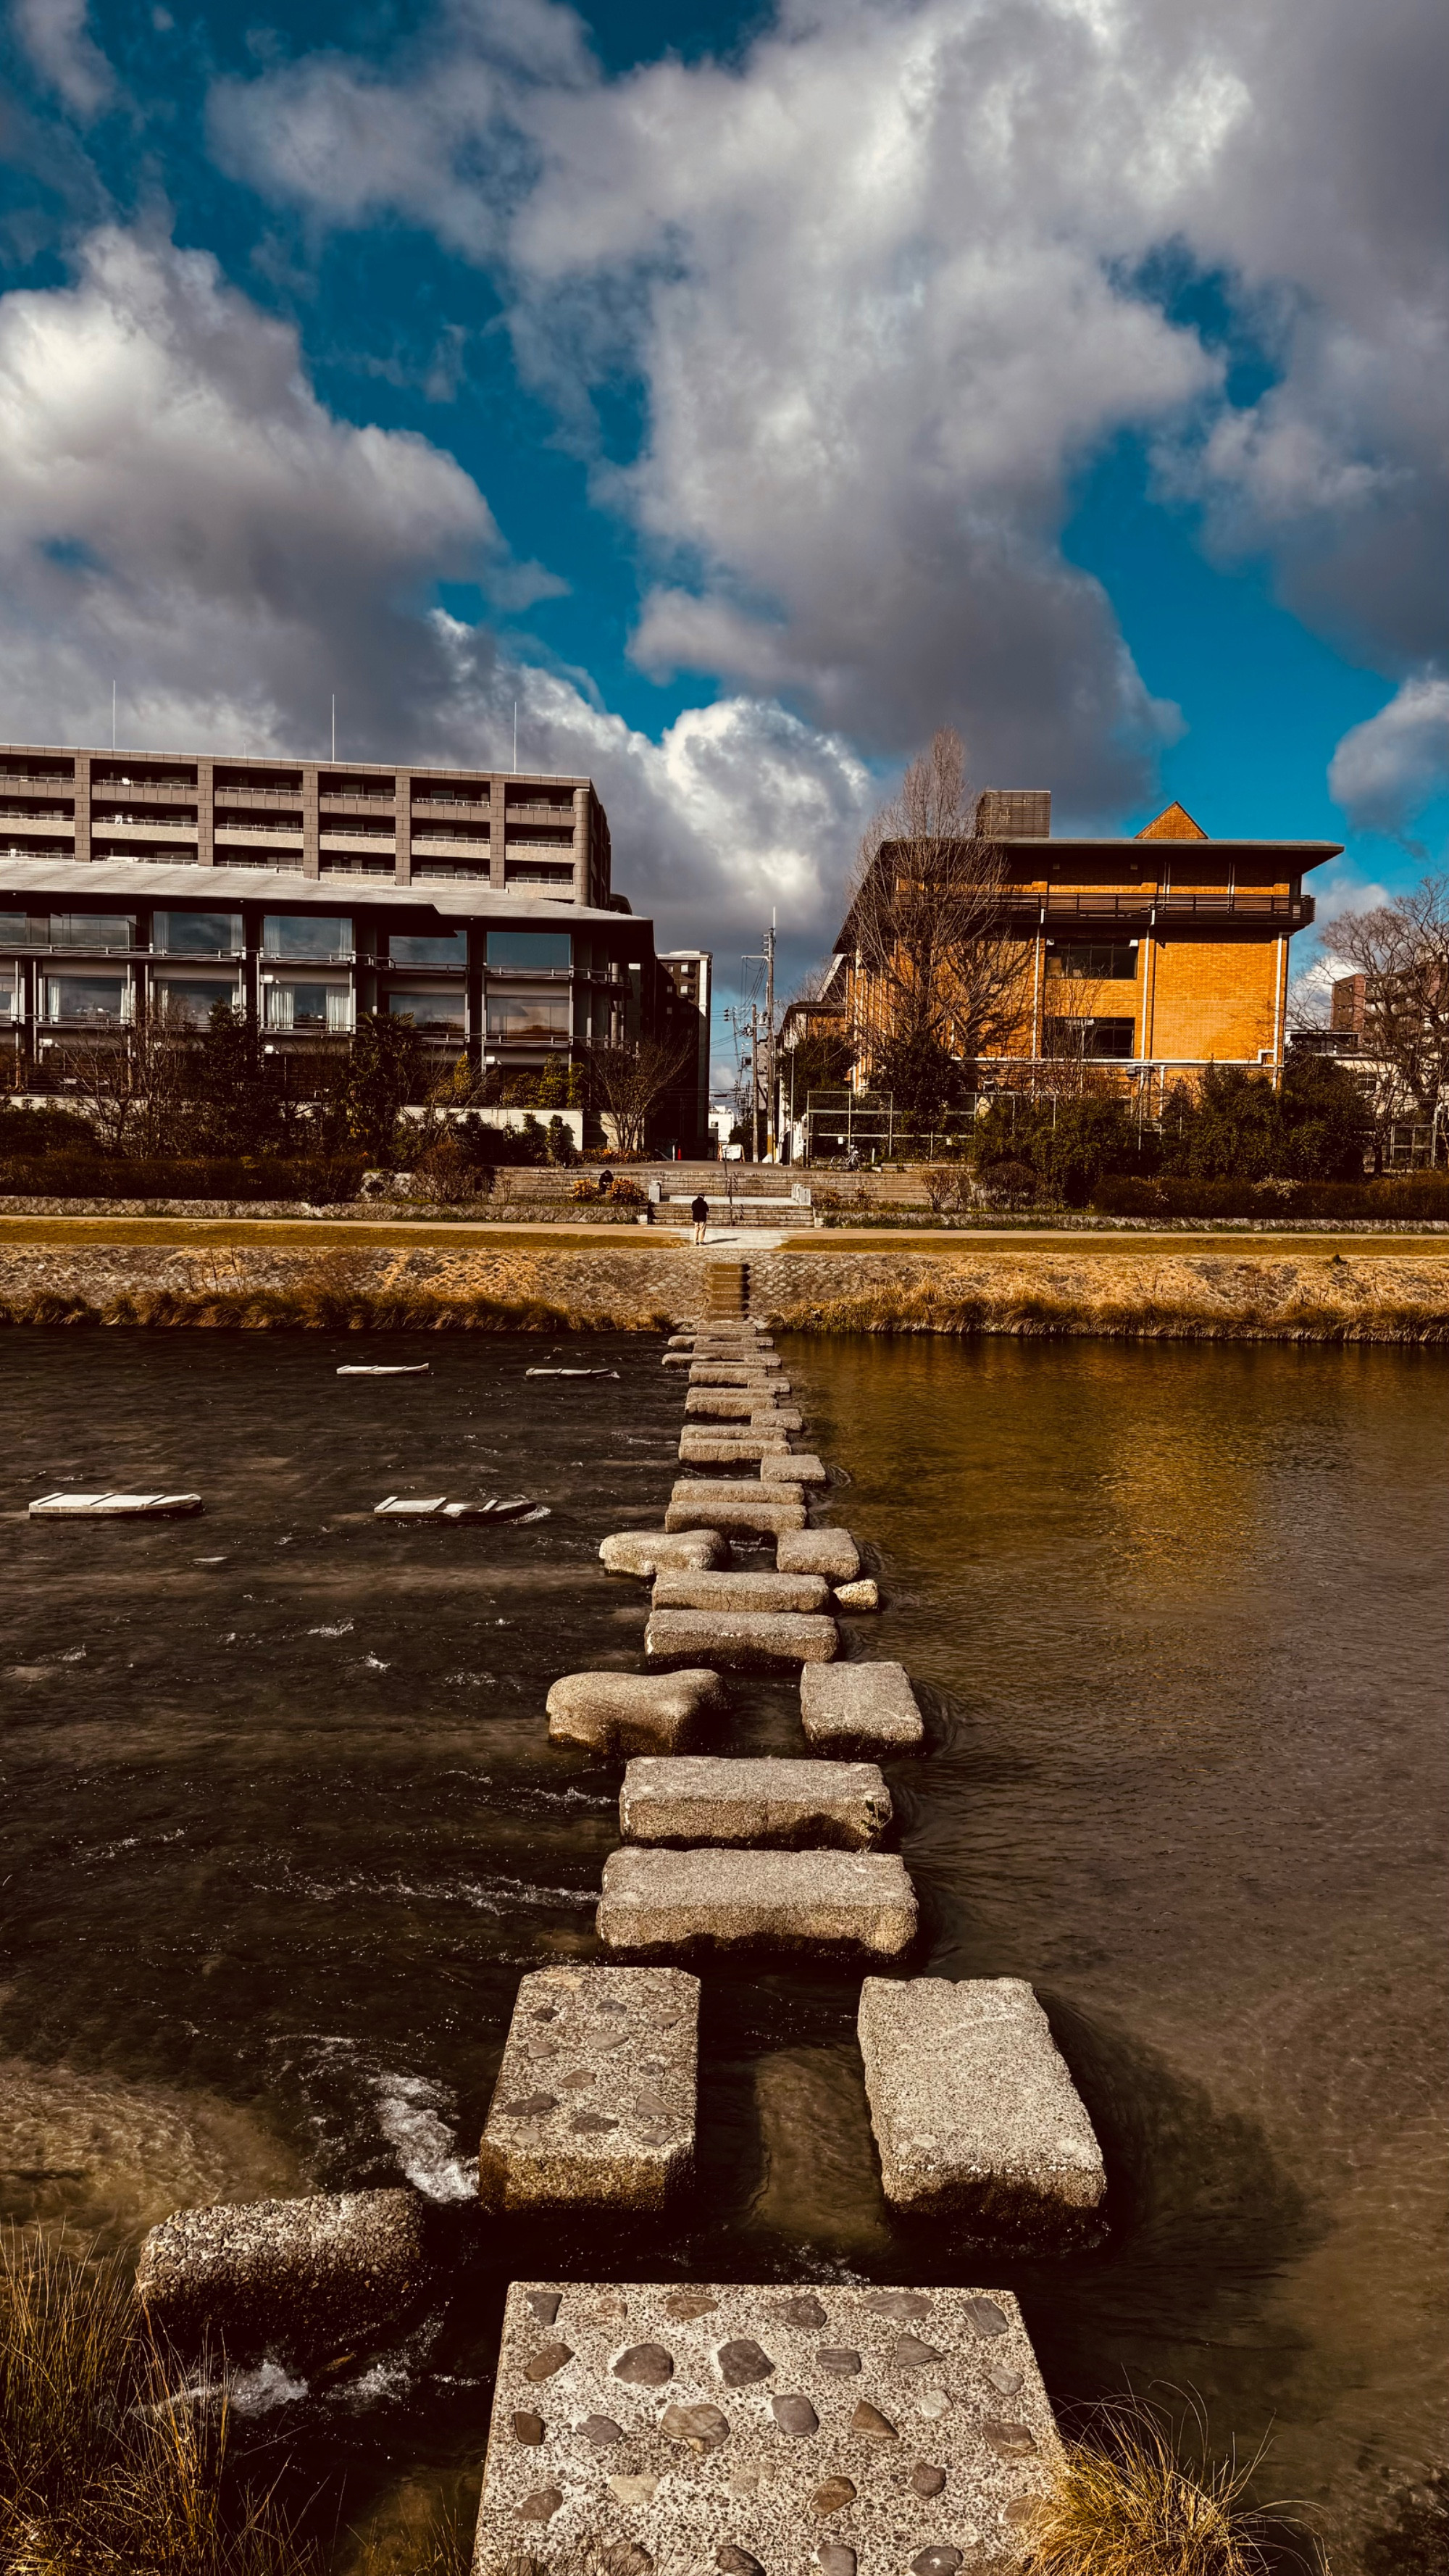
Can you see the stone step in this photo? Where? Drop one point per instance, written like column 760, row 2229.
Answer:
column 753, row 1638
column 650, row 1552
column 727, row 1403
column 796, row 1466
column 664, row 1900
column 301, row 2280
column 596, row 2097
column 748, row 1591
column 831, row 1552
column 972, row 2105
column 634, row 1712
column 724, row 1504
column 860, row 1708
column 755, row 1373
column 721, row 1446
column 817, row 2425
column 708, row 1799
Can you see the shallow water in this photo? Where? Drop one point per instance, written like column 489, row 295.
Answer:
column 281, row 1829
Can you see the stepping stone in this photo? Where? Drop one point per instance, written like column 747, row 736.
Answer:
column 972, row 2105
column 662, row 1900
column 858, row 1708
column 633, row 1712
column 115, row 1507
column 595, row 2098
column 748, row 1637
column 783, row 1417
column 725, row 1448
column 301, row 2279
column 780, row 2426
column 705, row 1799
column 720, row 1404
column 723, row 1504
column 676, row 1360
column 741, row 1592
column 797, row 1465
column 864, row 1595
column 651, row 1552
column 737, row 1373
column 831, row 1552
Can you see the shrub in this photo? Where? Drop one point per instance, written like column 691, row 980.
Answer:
column 320, row 1180
column 1128, row 2504
column 942, row 1183
column 625, row 1193
column 1007, row 1184
column 1417, row 1198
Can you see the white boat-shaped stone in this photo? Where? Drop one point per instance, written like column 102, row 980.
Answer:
column 115, row 1507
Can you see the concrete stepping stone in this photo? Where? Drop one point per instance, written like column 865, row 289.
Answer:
column 663, row 1900
column 726, row 1448
column 777, row 2426
column 746, row 1591
column 633, row 1712
column 595, row 2099
column 721, row 1403
column 651, row 1552
column 115, row 1507
column 858, row 1708
column 831, row 1552
column 709, row 1799
column 782, row 1417
column 972, row 2105
column 726, row 1504
column 301, row 2279
column 797, row 1465
column 739, row 1373
column 753, row 1638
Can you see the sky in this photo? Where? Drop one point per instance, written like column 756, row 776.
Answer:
column 741, row 392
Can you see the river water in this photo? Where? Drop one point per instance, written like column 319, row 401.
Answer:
column 281, row 1827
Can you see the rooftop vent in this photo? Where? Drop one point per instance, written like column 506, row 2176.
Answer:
column 1014, row 814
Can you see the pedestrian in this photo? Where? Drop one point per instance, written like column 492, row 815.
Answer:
column 606, row 1182
column 699, row 1210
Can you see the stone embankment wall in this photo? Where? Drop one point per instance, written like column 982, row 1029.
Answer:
column 645, row 1286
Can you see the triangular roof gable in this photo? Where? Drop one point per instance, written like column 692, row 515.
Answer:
column 1174, row 823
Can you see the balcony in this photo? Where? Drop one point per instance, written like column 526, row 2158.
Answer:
column 1231, row 905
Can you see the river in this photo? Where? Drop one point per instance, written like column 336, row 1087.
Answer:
column 281, row 1828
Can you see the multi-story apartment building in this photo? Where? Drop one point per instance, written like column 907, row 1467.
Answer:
column 480, row 906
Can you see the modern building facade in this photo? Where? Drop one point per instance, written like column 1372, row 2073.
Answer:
column 477, row 906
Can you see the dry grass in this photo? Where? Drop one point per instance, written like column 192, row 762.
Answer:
column 1129, row 2502
column 1256, row 1309
column 319, row 1306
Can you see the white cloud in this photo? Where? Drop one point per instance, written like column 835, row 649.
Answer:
column 55, row 36
column 1386, row 771
column 180, row 513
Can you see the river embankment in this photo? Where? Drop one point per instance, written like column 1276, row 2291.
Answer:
column 257, row 1275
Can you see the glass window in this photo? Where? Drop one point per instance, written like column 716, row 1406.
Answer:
column 103, row 1000
column 1089, row 1037
column 93, row 930
column 1095, row 962
column 309, row 1006
column 196, row 934
column 451, row 950
column 438, row 1009
column 188, row 1001
column 525, row 1016
column 529, row 952
column 305, row 935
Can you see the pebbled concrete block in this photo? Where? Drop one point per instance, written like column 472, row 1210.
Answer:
column 303, row 2280
column 831, row 1552
column 651, row 1552
column 725, row 1505
column 763, row 1591
column 633, row 1712
column 819, row 2426
column 664, row 1900
column 595, row 2099
column 840, row 1805
column 753, row 1638
column 972, row 2105
column 860, row 1708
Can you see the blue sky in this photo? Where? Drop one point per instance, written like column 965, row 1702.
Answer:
column 744, row 394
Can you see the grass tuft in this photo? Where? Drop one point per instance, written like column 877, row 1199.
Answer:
column 1128, row 2502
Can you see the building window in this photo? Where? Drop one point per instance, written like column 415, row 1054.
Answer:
column 306, row 935
column 451, row 950
column 86, row 930
column 312, row 1007
column 437, row 1009
column 1088, row 1037
column 101, row 1001
column 196, row 934
column 529, row 952
column 1094, row 962
column 11, row 994
column 187, row 1002
column 528, row 1018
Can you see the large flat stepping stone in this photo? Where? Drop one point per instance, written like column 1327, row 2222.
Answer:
column 115, row 1507
column 859, row 1708
column 831, row 1552
column 798, row 1465
column 651, row 1552
column 633, row 1712
column 595, row 2098
column 778, row 2427
column 723, row 1404
column 726, row 1505
column 756, row 1373
column 712, row 1799
column 763, row 1591
column 664, row 1900
column 726, row 1448
column 301, row 2279
column 753, row 1638
column 972, row 2105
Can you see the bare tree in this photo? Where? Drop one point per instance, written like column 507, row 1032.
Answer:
column 628, row 1083
column 136, row 1085
column 937, row 966
column 1402, row 951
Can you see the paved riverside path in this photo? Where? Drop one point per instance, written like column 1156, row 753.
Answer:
column 771, row 2426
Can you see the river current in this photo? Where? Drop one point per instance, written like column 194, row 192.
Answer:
column 281, row 1828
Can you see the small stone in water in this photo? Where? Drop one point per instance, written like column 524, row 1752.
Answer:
column 549, row 2358
column 795, row 2415
column 835, row 2493
column 647, row 2365
column 528, row 2428
column 742, row 2362
column 926, row 2480
column 837, row 2357
column 869, row 2420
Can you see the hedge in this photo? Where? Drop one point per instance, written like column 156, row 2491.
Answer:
column 1417, row 1196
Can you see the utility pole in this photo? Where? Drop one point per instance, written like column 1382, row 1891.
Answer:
column 771, row 1139
column 754, row 1082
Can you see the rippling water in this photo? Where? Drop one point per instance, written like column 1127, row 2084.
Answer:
column 281, row 1827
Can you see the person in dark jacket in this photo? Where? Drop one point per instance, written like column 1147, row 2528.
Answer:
column 699, row 1210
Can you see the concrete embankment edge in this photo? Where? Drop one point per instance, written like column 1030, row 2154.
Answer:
column 1219, row 1294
